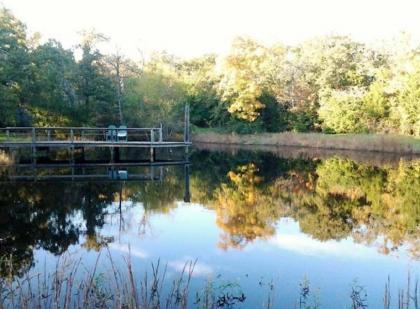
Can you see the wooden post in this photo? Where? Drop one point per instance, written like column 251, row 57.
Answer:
column 112, row 153
column 187, row 124
column 161, row 174
column 8, row 134
column 160, row 133
column 152, row 136
column 72, row 154
column 33, row 136
column 152, row 150
column 187, row 196
column 33, row 146
column 152, row 154
column 33, row 154
column 152, row 173
column 48, row 134
column 116, row 154
column 71, row 136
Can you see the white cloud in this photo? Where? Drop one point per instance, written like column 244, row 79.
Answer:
column 200, row 269
column 135, row 252
column 305, row 245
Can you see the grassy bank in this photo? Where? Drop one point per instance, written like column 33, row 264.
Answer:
column 358, row 142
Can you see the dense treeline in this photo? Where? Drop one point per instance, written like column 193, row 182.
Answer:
column 330, row 84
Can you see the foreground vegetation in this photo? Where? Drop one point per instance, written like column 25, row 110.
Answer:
column 361, row 142
column 331, row 84
column 74, row 285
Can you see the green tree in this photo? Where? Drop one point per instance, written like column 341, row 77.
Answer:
column 15, row 69
column 406, row 105
column 96, row 92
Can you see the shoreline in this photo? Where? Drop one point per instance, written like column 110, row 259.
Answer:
column 379, row 143
column 379, row 159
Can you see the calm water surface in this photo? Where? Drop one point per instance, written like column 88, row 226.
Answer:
column 251, row 219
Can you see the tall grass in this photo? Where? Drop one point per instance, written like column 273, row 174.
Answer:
column 360, row 142
column 73, row 285
column 5, row 158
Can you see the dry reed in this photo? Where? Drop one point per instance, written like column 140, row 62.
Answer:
column 72, row 285
column 358, row 142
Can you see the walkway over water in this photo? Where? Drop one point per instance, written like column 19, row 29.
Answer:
column 87, row 137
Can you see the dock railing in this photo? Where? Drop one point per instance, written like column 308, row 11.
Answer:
column 79, row 134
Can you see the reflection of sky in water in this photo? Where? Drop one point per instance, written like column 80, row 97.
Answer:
column 189, row 232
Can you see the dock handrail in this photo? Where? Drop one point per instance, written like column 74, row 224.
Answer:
column 59, row 136
column 72, row 134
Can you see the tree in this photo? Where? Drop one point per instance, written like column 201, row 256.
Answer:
column 95, row 87
column 122, row 68
column 406, row 107
column 242, row 82
column 15, row 69
column 54, row 101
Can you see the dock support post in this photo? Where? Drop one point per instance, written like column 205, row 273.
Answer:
column 33, row 146
column 187, row 196
column 83, row 154
column 71, row 154
column 34, row 154
column 152, row 149
column 161, row 174
column 33, row 136
column 116, row 151
column 152, row 173
column 187, row 124
column 160, row 133
column 152, row 154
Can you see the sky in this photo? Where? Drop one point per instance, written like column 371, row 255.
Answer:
column 190, row 28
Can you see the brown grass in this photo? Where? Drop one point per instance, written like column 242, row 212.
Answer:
column 5, row 158
column 358, row 142
column 73, row 285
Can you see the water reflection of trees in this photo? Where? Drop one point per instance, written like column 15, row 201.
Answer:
column 53, row 216
column 244, row 212
column 249, row 192
column 331, row 199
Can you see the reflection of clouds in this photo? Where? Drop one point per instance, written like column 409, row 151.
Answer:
column 305, row 245
column 125, row 249
column 200, row 269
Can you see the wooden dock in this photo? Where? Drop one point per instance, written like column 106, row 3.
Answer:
column 35, row 137
column 87, row 137
column 84, row 137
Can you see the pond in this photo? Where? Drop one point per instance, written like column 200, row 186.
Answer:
column 279, row 228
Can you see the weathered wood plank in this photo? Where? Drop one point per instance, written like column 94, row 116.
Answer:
column 11, row 144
